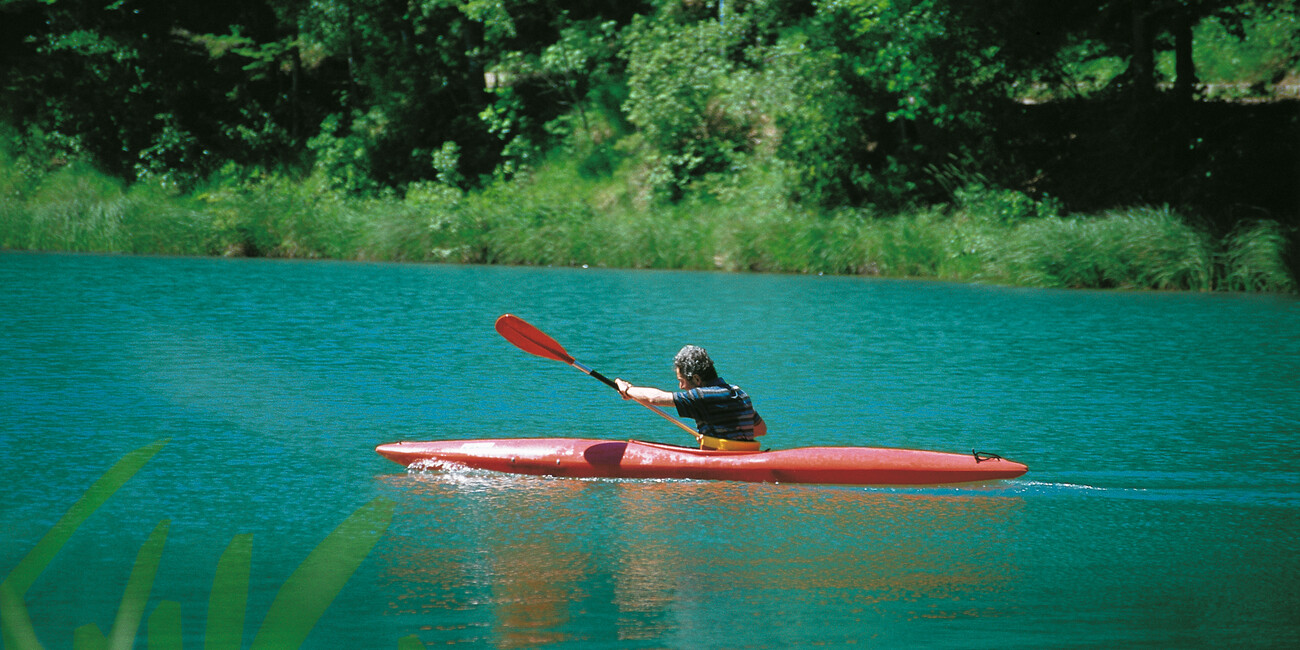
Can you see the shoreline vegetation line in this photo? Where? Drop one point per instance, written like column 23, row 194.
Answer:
column 994, row 236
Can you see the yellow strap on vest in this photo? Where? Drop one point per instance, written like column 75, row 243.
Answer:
column 722, row 444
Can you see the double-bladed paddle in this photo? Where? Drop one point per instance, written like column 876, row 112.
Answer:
column 534, row 341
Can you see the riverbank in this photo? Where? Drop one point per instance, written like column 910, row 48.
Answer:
column 559, row 217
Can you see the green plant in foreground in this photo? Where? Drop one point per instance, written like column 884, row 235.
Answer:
column 297, row 607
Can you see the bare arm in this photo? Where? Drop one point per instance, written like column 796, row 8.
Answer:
column 644, row 394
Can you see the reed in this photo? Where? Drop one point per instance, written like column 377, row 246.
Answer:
column 74, row 209
column 275, row 216
column 158, row 221
column 14, row 218
column 1254, row 259
column 1142, row 248
column 299, row 604
column 78, row 209
column 561, row 217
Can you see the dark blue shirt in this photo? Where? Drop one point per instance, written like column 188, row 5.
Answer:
column 719, row 410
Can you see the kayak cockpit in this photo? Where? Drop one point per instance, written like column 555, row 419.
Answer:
column 696, row 450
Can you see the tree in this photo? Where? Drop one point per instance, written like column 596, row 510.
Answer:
column 150, row 87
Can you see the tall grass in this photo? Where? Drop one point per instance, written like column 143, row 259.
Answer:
column 1254, row 259
column 78, row 209
column 561, row 217
column 1143, row 248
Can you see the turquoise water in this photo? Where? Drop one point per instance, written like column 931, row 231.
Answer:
column 1160, row 509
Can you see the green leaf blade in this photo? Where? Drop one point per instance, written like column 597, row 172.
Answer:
column 318, row 580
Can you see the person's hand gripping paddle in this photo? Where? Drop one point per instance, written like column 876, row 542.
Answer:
column 534, row 341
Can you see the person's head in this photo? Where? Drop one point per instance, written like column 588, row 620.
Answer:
column 694, row 367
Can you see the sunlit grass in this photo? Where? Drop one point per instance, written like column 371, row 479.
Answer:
column 559, row 217
column 1152, row 249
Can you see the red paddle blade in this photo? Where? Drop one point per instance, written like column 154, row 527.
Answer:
column 530, row 339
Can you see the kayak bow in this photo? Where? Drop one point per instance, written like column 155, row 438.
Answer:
column 587, row 458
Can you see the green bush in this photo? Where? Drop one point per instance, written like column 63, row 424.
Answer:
column 1254, row 259
column 676, row 79
column 1246, row 55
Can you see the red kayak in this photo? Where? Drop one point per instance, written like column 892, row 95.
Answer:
column 584, row 458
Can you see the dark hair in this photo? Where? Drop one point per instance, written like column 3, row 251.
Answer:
column 694, row 363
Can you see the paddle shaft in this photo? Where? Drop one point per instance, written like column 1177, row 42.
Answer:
column 536, row 342
column 609, row 382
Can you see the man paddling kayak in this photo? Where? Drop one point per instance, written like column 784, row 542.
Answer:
column 720, row 410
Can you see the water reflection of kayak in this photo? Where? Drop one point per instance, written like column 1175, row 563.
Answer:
column 586, row 458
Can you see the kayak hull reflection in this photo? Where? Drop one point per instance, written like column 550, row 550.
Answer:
column 588, row 458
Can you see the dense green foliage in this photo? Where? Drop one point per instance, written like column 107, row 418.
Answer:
column 866, row 136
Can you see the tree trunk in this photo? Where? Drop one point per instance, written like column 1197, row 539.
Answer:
column 1184, row 65
column 352, row 60
column 1142, row 67
column 472, row 35
column 295, row 108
